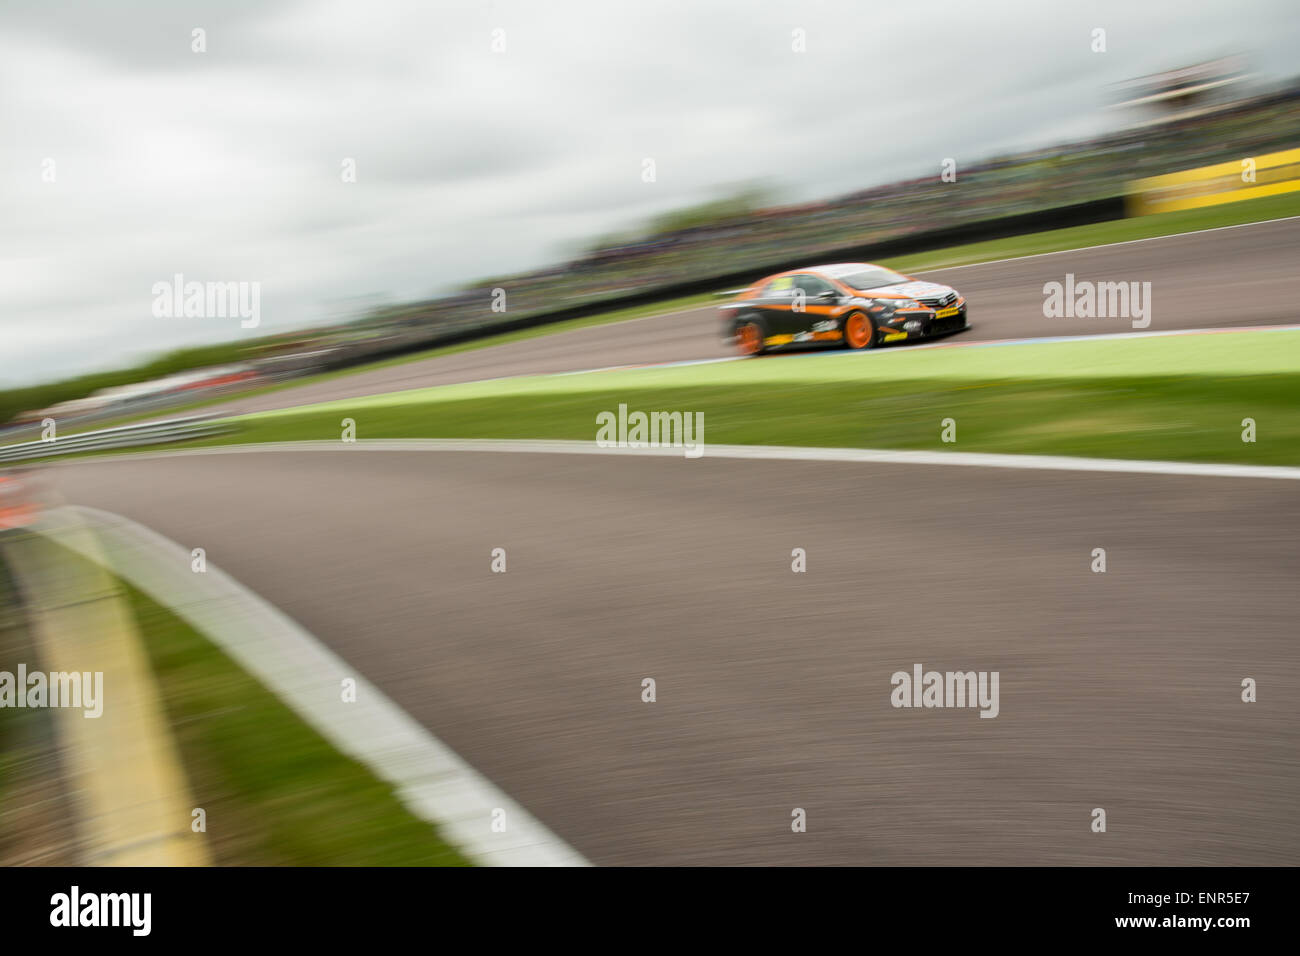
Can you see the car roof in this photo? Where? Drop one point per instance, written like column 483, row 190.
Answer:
column 844, row 268
column 834, row 271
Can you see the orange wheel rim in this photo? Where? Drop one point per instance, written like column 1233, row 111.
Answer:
column 858, row 331
column 749, row 339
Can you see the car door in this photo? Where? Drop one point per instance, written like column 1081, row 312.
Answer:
column 775, row 304
column 811, row 308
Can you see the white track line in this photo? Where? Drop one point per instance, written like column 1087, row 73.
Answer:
column 1106, row 245
column 764, row 452
column 431, row 780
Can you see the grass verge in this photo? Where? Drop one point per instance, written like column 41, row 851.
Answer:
column 35, row 815
column 276, row 793
column 1179, row 398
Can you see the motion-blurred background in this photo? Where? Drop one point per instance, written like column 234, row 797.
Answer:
column 424, row 194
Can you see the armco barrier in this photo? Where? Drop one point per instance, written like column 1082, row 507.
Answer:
column 124, row 436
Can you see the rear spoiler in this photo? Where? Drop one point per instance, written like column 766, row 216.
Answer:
column 730, row 293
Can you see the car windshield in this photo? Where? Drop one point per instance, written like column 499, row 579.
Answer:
column 872, row 278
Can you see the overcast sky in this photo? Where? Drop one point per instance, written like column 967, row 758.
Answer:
column 226, row 164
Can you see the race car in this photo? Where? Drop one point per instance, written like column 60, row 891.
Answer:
column 853, row 304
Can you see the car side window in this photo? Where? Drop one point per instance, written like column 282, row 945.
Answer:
column 813, row 286
column 780, row 287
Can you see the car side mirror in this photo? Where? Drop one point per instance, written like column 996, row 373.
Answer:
column 828, row 294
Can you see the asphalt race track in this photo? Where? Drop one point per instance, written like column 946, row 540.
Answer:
column 1118, row 690
column 1240, row 276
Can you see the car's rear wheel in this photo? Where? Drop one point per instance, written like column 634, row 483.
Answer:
column 749, row 337
column 859, row 331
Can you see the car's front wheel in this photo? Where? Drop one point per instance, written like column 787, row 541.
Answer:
column 859, row 331
column 749, row 337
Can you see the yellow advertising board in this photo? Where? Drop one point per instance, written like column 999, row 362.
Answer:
column 1248, row 178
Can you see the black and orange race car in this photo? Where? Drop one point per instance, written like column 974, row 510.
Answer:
column 854, row 304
